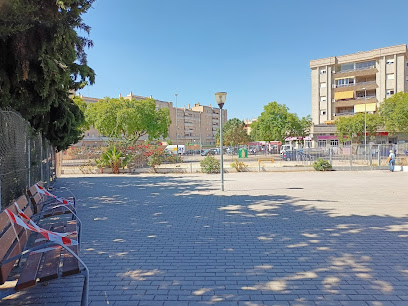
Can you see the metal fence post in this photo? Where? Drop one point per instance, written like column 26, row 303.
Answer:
column 29, row 160
column 351, row 156
column 371, row 156
column 1, row 185
column 41, row 159
column 331, row 155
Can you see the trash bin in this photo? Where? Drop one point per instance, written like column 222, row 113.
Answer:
column 242, row 153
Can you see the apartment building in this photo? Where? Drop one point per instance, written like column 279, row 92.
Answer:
column 197, row 125
column 349, row 84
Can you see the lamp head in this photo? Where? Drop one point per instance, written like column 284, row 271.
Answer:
column 220, row 97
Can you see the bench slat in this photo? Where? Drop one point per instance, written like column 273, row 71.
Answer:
column 49, row 269
column 16, row 249
column 54, row 212
column 28, row 275
column 70, row 264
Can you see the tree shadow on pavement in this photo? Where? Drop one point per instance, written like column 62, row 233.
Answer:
column 167, row 239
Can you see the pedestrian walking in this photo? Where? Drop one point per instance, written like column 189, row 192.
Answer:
column 391, row 161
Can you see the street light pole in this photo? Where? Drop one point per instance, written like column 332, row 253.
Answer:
column 365, row 123
column 199, row 117
column 176, row 124
column 220, row 97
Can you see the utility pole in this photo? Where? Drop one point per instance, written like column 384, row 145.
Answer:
column 176, row 125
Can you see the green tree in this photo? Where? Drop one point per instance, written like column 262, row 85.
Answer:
column 130, row 119
column 276, row 123
column 394, row 113
column 305, row 126
column 350, row 128
column 233, row 133
column 82, row 107
column 42, row 60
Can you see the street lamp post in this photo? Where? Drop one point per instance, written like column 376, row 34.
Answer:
column 176, row 124
column 220, row 97
column 365, row 123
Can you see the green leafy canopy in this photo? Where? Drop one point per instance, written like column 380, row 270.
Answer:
column 276, row 123
column 130, row 119
column 233, row 133
column 42, row 61
column 394, row 113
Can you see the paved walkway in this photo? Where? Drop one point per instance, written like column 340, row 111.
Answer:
column 307, row 238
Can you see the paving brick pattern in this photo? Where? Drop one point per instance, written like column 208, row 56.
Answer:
column 337, row 238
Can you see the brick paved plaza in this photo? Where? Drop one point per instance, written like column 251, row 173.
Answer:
column 307, row 238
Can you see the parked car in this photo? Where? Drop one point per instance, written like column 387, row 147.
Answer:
column 286, row 147
column 289, row 155
column 209, row 152
column 298, row 155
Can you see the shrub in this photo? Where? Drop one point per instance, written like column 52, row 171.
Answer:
column 155, row 159
column 114, row 159
column 210, row 165
column 239, row 165
column 322, row 165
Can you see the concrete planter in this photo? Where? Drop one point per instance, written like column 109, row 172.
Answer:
column 401, row 168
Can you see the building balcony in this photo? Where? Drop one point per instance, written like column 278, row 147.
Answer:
column 356, row 86
column 343, row 114
column 366, row 71
column 352, row 102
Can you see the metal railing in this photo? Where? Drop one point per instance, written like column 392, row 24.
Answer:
column 355, row 84
column 356, row 69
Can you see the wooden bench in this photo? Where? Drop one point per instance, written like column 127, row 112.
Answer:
column 46, row 260
column 44, row 206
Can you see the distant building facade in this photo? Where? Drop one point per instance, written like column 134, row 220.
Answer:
column 356, row 83
column 197, row 125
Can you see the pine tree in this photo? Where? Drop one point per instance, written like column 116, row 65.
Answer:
column 42, row 61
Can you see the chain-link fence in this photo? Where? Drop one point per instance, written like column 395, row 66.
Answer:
column 364, row 156
column 25, row 157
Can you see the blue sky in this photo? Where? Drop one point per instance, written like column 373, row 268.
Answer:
column 257, row 51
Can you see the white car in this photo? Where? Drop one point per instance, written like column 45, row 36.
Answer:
column 285, row 148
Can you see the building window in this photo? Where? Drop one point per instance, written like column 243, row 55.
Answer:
column 323, row 99
column 323, row 71
column 390, row 92
column 334, row 142
column 323, row 85
column 345, row 67
column 308, row 143
column 321, row 143
column 347, row 143
column 345, row 82
column 390, row 61
column 365, row 65
column 323, row 112
column 390, row 76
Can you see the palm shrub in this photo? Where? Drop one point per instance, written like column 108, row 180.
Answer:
column 239, row 165
column 114, row 159
column 210, row 165
column 322, row 165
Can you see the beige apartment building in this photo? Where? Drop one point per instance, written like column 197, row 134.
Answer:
column 349, row 84
column 196, row 125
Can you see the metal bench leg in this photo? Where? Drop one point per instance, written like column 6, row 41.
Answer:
column 85, row 291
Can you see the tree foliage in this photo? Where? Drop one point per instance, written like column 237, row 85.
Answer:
column 42, row 60
column 130, row 119
column 233, row 133
column 276, row 123
column 394, row 113
column 349, row 128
